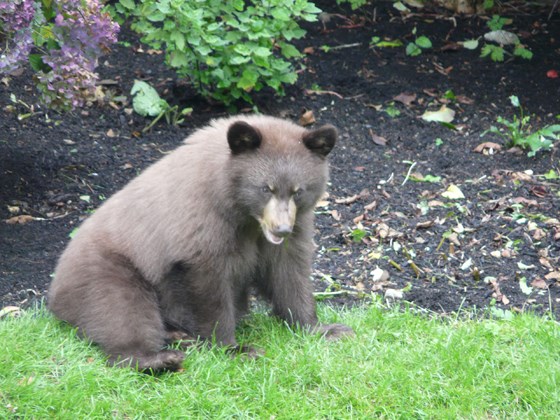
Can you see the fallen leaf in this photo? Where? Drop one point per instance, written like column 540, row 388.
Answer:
column 309, row 50
column 405, row 98
column 487, row 147
column 358, row 219
column 462, row 99
column 21, row 220
column 425, row 225
column 502, row 37
column 555, row 275
column 523, row 286
column 111, row 133
column 379, row 275
column 380, row 141
column 539, row 234
column 393, row 294
column 10, row 310
column 525, row 201
column 539, row 284
column 307, row 118
column 444, row 114
column 453, row 193
column 496, row 254
column 523, row 266
column 335, row 215
column 348, row 200
column 370, row 206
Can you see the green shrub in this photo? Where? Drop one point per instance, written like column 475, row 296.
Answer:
column 227, row 49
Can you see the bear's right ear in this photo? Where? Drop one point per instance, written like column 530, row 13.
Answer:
column 243, row 137
column 321, row 140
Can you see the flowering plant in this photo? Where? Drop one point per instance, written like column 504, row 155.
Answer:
column 63, row 40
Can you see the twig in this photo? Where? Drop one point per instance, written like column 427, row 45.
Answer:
column 408, row 173
column 396, row 265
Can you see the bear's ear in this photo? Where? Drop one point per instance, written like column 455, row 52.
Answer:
column 243, row 137
column 321, row 140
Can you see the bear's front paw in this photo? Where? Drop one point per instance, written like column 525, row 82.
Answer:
column 246, row 352
column 334, row 331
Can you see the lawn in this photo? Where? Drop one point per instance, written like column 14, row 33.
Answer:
column 403, row 363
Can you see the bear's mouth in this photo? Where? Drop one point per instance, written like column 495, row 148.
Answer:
column 272, row 238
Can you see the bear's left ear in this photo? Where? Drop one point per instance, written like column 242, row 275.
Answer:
column 243, row 137
column 321, row 140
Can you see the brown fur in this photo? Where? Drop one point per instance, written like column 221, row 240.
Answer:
column 179, row 247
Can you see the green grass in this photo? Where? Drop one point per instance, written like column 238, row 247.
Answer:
column 400, row 365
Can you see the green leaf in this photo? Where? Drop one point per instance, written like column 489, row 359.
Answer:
column 523, row 286
column 179, row 39
column 552, row 174
column 514, row 101
column 413, row 50
column 129, row 4
column 289, row 51
column 471, row 44
column 37, row 64
column 146, row 101
column 423, row 42
column 522, row 52
column 248, row 80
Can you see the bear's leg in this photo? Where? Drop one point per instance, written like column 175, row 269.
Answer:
column 114, row 306
column 286, row 283
column 199, row 304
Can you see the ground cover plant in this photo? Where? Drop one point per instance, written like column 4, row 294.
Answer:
column 402, row 363
column 62, row 41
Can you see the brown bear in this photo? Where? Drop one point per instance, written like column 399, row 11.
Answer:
column 176, row 252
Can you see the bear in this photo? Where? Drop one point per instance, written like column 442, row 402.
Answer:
column 176, row 253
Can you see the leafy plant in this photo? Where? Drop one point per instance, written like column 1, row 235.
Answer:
column 227, row 49
column 415, row 48
column 377, row 42
column 147, row 103
column 67, row 37
column 497, row 22
column 354, row 4
column 392, row 111
column 502, row 38
column 516, row 132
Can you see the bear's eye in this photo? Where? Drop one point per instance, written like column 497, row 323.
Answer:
column 297, row 193
column 267, row 189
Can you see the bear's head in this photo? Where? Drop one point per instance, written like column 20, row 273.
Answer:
column 279, row 172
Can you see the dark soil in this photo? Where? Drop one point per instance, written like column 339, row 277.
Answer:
column 500, row 245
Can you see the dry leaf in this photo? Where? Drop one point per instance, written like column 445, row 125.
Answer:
column 380, row 141
column 111, row 133
column 348, row 200
column 21, row 220
column 13, row 311
column 379, row 275
column 307, row 118
column 335, row 215
column 462, row 99
column 358, row 219
column 425, row 225
column 309, row 50
column 370, row 206
column 539, row 284
column 539, row 234
column 405, row 98
column 453, row 193
column 393, row 294
column 555, row 275
column 487, row 147
column 443, row 114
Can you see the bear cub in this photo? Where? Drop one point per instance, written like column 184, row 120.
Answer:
column 175, row 253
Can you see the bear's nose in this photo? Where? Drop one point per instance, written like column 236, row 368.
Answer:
column 282, row 230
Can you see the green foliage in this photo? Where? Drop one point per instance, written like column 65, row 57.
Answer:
column 354, row 4
column 497, row 22
column 415, row 48
column 516, row 132
column 400, row 365
column 147, row 103
column 377, row 42
column 227, row 49
column 495, row 52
